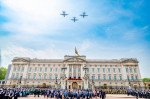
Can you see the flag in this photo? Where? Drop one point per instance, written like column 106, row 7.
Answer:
column 76, row 51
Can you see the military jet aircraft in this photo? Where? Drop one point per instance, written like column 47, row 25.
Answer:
column 74, row 19
column 64, row 14
column 83, row 14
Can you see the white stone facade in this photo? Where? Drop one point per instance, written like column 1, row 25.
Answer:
column 70, row 73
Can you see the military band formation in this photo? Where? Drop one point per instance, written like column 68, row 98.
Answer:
column 14, row 93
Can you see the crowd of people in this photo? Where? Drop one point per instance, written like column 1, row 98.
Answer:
column 139, row 93
column 8, row 93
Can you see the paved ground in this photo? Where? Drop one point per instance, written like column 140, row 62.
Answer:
column 109, row 96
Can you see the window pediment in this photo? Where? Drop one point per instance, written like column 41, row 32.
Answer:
column 75, row 60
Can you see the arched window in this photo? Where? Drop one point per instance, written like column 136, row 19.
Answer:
column 39, row 76
column 45, row 77
column 50, row 77
column 28, row 76
column 17, row 76
column 45, row 69
column 34, row 77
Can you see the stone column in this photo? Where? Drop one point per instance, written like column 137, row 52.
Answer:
column 82, row 71
column 67, row 71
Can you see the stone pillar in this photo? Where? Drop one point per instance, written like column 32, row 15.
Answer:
column 82, row 71
column 67, row 71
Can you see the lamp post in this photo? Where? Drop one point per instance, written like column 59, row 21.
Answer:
column 85, row 77
column 129, row 83
column 64, row 68
column 56, row 83
column 92, row 83
column 85, row 68
column 20, row 81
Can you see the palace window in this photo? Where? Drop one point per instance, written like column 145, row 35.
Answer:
column 120, row 77
column 104, row 77
column 115, row 78
column 98, row 70
column 61, row 70
column 127, row 70
column 28, row 76
column 93, row 77
column 50, row 77
column 109, row 77
column 93, row 70
column 70, row 69
column 35, row 69
column 30, row 69
column 56, row 69
column 88, row 70
column 132, row 77
column 40, row 69
column 15, row 69
column 98, row 77
column 131, row 70
column 17, row 76
column 74, row 70
column 135, row 70
column 79, row 69
column 51, row 69
column 103, row 70
column 88, row 77
column 136, row 77
column 109, row 70
column 128, row 78
column 34, row 77
column 45, row 76
column 114, row 70
column 39, row 76
column 56, row 77
column 119, row 70
column 19, row 69
column 23, row 69
column 45, row 69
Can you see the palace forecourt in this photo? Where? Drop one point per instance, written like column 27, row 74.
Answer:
column 74, row 72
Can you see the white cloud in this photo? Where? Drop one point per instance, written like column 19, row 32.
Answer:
column 85, row 45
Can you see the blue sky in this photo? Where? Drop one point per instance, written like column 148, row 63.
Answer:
column 114, row 29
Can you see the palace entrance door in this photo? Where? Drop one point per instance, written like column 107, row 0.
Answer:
column 74, row 85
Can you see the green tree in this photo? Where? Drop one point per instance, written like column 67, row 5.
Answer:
column 3, row 72
column 146, row 79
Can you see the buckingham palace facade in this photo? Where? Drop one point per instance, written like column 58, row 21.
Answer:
column 74, row 72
